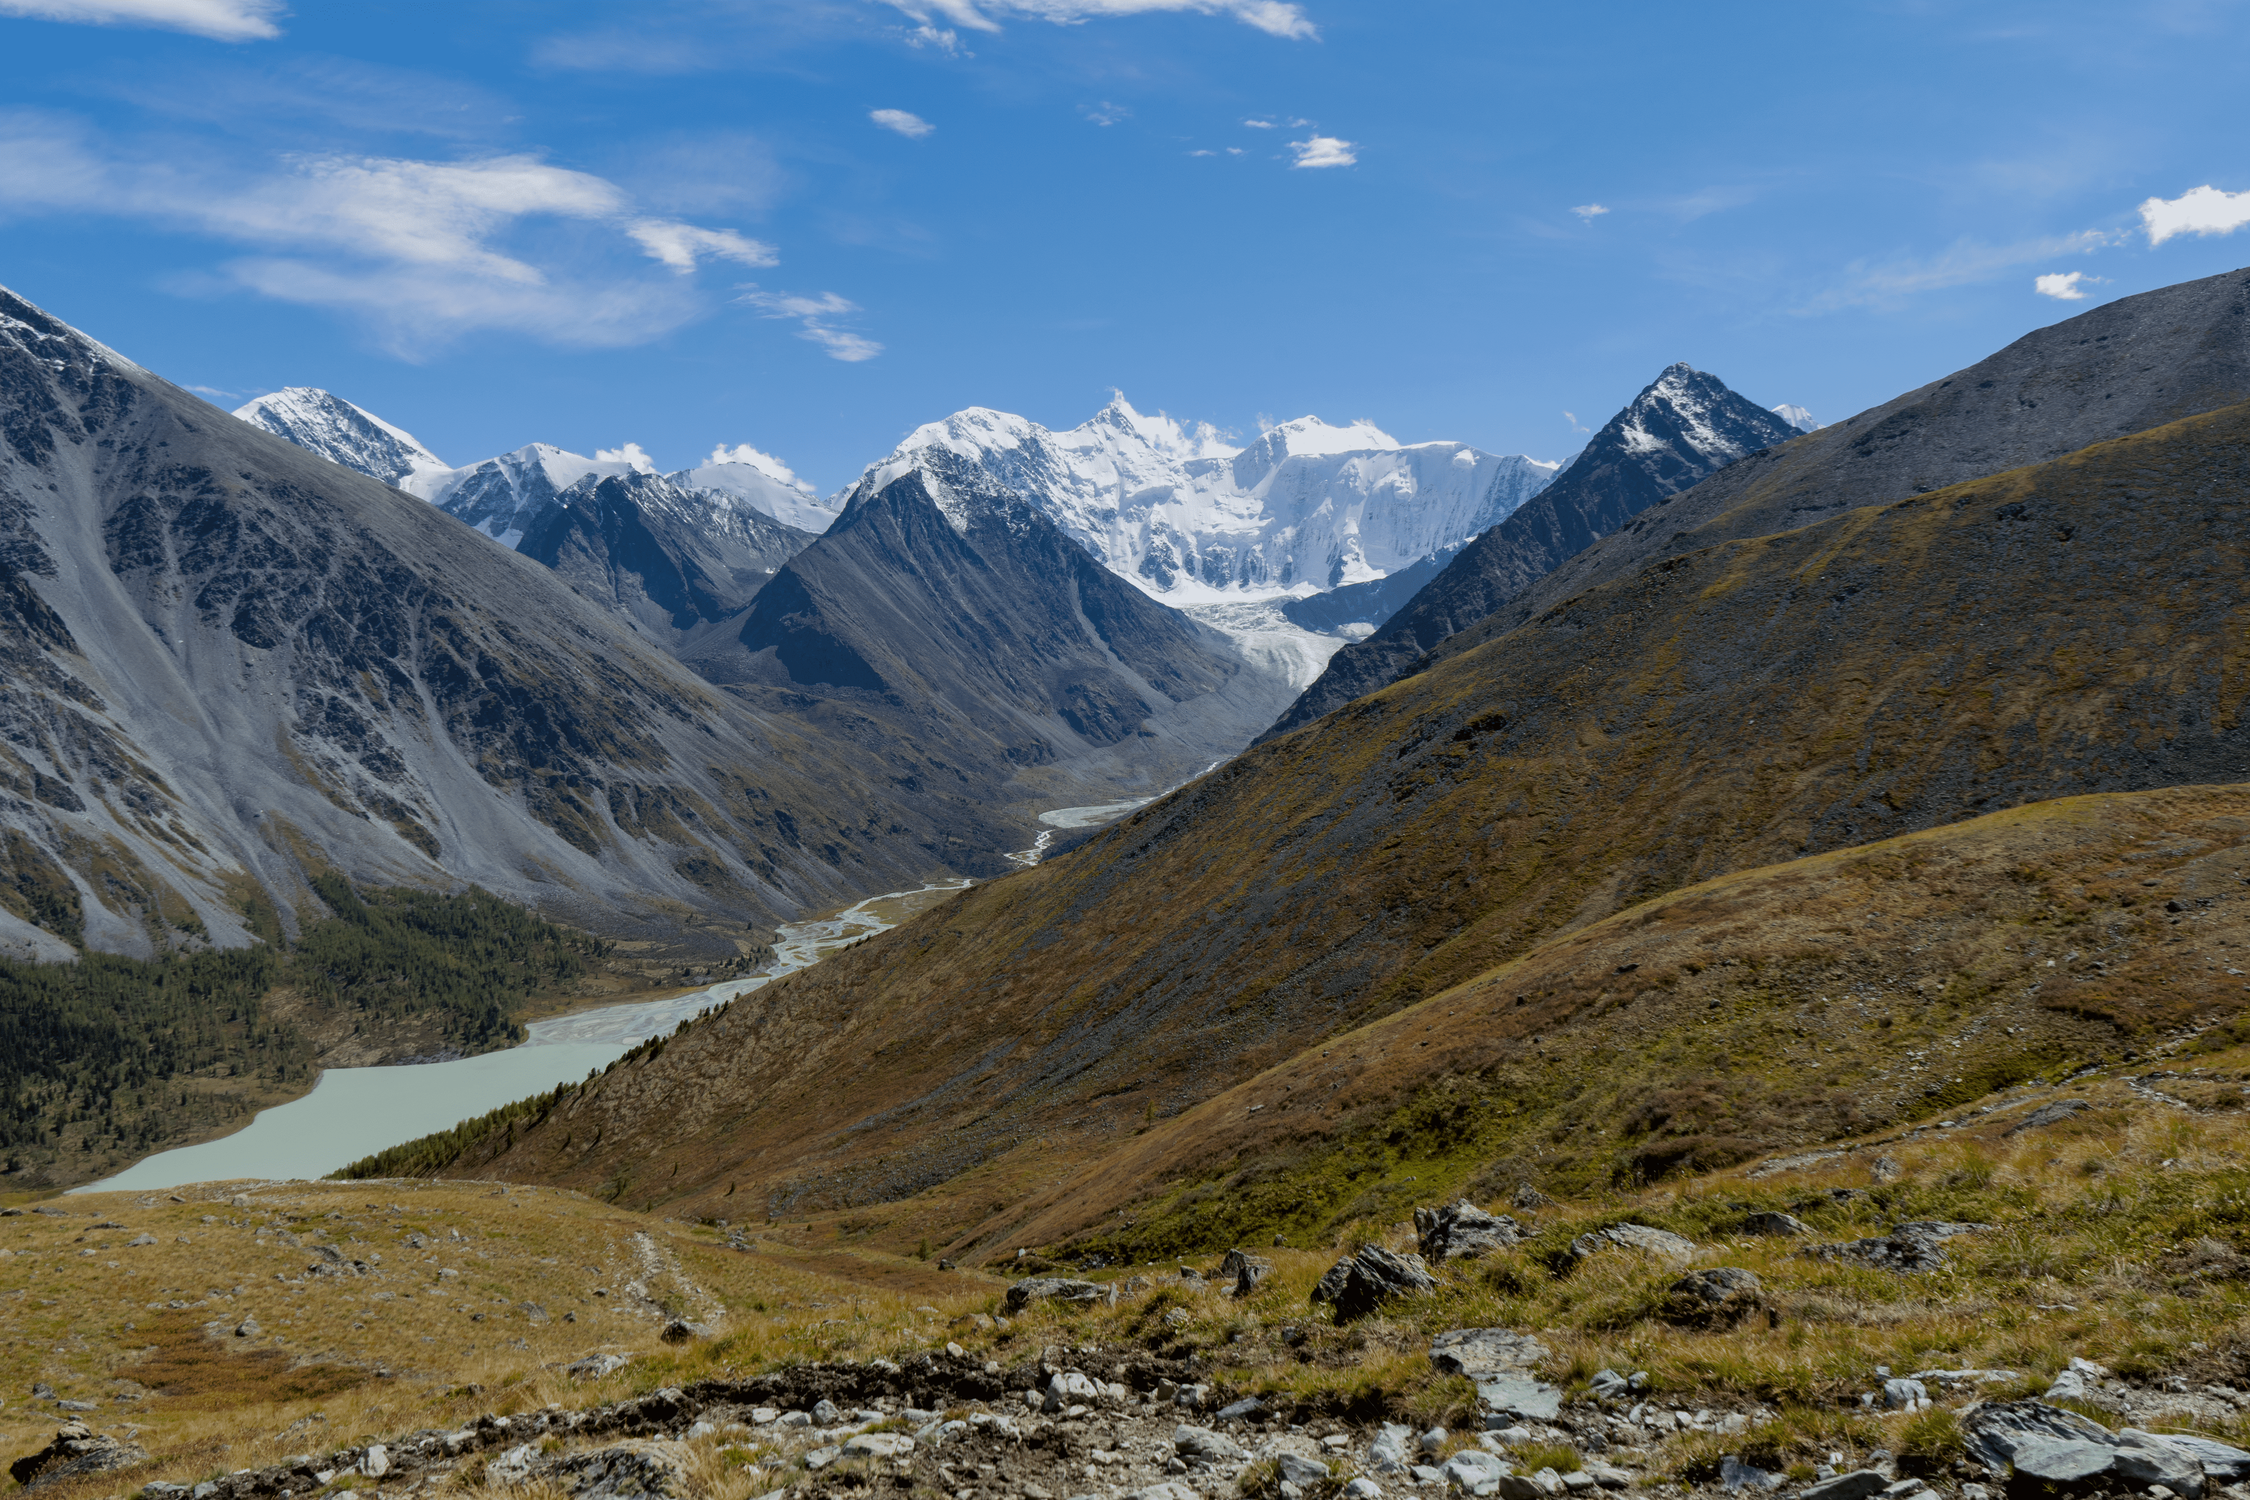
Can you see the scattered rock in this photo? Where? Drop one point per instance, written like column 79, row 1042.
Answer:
column 1387, row 1453
column 879, row 1445
column 1474, row 1471
column 2053, row 1113
column 1775, row 1222
column 1240, row 1411
column 1661, row 1243
column 2049, row 1443
column 1300, row 1470
column 513, row 1466
column 143, row 1238
column 1366, row 1281
column 821, row 1458
column 1884, row 1169
column 1608, row 1385
column 1500, row 1361
column 1529, row 1198
column 595, row 1366
column 1737, row 1475
column 1462, row 1231
column 1056, row 1288
column 628, row 1469
column 1066, row 1388
column 247, row 1329
column 1913, row 1246
column 77, row 1450
column 1168, row 1490
column 826, row 1413
column 681, row 1331
column 1902, row 1393
column 1718, row 1297
column 1857, row 1485
column 1193, row 1443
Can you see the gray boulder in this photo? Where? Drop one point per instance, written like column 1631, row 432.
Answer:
column 595, row 1366
column 1500, row 1361
column 1056, row 1289
column 77, row 1450
column 1244, row 1271
column 1857, row 1485
column 1358, row 1286
column 1462, row 1231
column 1775, row 1222
column 1913, row 1246
column 2222, row 1464
column 1474, row 1472
column 2059, row 1446
column 1387, row 1454
column 681, row 1331
column 1660, row 1243
column 1719, row 1296
column 2053, row 1113
column 628, row 1469
column 1193, row 1443
column 1737, row 1475
column 1299, row 1470
column 2143, row 1459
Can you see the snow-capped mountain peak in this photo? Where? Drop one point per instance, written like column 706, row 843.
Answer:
column 335, row 429
column 1797, row 417
column 1176, row 509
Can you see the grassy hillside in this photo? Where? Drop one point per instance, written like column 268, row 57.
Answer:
column 2116, row 1234
column 2070, row 628
column 108, row 1059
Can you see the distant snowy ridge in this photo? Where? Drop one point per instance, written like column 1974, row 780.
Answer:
column 506, row 497
column 345, row 434
column 1797, row 417
column 1173, row 507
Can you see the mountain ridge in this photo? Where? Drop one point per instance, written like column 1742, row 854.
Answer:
column 1683, row 426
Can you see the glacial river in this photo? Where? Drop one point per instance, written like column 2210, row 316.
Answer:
column 356, row 1112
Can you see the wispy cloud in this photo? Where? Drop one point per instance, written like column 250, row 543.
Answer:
column 2203, row 210
column 816, row 318
column 1260, row 124
column 1869, row 284
column 912, row 126
column 2063, row 286
column 1274, row 17
column 221, row 20
column 420, row 251
column 1572, row 419
column 680, row 245
column 1324, row 151
column 1589, row 211
column 1106, row 113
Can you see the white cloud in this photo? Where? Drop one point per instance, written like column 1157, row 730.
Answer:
column 1259, row 124
column 2203, row 210
column 1234, row 150
column 1962, row 265
column 1324, row 151
column 421, row 251
column 1203, row 153
column 1274, row 17
column 816, row 318
column 1106, row 113
column 1589, row 211
column 912, row 126
column 1572, row 419
column 765, row 463
column 630, row 453
column 678, row 245
column 2062, row 285
column 221, row 20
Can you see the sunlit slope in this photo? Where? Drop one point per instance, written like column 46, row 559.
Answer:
column 2068, row 628
column 1771, row 1009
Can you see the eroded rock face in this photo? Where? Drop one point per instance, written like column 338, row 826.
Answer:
column 1057, row 1288
column 1462, row 1231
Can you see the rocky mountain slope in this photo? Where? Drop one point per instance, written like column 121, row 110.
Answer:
column 1306, row 507
column 231, row 662
column 1756, row 701
column 2124, row 367
column 1683, row 427
column 671, row 558
column 942, row 610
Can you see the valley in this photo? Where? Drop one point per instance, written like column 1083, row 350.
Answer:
column 1750, row 918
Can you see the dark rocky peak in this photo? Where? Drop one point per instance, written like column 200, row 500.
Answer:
column 1684, row 426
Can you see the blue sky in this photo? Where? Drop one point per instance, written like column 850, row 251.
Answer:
column 810, row 225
